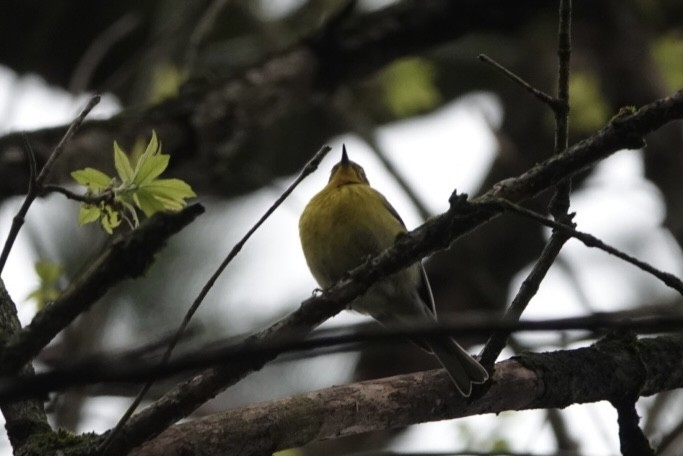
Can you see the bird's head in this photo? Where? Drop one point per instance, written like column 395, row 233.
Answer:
column 347, row 172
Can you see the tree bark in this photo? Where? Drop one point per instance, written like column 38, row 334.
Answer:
column 607, row 371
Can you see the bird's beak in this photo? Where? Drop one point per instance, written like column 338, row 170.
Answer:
column 345, row 158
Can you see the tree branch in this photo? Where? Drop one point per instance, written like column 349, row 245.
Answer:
column 193, row 125
column 631, row 438
column 23, row 418
column 35, row 183
column 133, row 366
column 310, row 167
column 589, row 240
column 498, row 340
column 530, row 381
column 559, row 204
column 128, row 256
column 624, row 131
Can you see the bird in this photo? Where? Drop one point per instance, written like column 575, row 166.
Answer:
column 347, row 222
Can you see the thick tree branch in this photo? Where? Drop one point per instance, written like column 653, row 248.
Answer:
column 531, row 381
column 128, row 256
column 211, row 120
column 23, row 418
column 626, row 130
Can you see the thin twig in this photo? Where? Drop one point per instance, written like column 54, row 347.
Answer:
column 200, row 32
column 73, row 128
column 589, row 240
column 408, row 189
column 364, row 127
column 539, row 94
column 107, row 196
column 566, row 443
column 496, row 343
column 98, row 48
column 559, row 205
column 120, row 368
column 32, row 165
column 309, row 168
column 36, row 182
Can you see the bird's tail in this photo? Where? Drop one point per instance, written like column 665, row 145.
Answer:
column 463, row 369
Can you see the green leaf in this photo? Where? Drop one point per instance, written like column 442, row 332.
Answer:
column 137, row 150
column 122, row 164
column 173, row 189
column 151, row 163
column 110, row 219
column 146, row 201
column 151, row 168
column 92, row 178
column 88, row 213
column 163, row 194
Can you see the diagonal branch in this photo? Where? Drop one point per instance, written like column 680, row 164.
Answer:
column 310, row 167
column 589, row 240
column 498, row 340
column 626, row 130
column 559, row 204
column 35, row 183
column 128, row 256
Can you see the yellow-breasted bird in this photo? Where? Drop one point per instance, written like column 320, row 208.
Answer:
column 349, row 221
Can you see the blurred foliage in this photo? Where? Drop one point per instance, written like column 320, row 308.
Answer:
column 667, row 51
column 166, row 80
column 589, row 109
column 289, row 452
column 500, row 445
column 48, row 290
column 408, row 87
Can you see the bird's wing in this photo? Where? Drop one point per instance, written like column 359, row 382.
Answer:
column 424, row 289
column 391, row 209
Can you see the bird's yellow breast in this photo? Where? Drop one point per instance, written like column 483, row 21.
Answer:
column 342, row 226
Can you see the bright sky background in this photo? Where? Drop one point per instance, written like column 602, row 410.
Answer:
column 455, row 148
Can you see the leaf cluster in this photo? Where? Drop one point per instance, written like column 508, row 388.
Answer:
column 137, row 187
